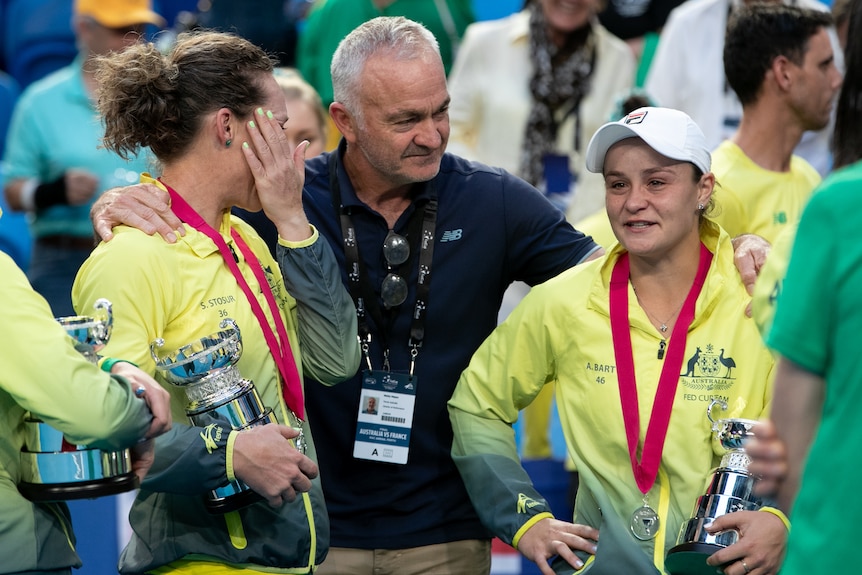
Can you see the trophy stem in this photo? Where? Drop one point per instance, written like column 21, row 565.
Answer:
column 730, row 488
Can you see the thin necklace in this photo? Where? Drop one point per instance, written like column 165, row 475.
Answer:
column 662, row 324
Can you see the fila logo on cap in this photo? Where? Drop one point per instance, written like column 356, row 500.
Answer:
column 636, row 117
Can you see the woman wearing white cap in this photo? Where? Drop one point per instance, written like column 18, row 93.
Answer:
column 639, row 343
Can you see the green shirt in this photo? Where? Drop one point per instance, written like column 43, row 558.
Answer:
column 816, row 326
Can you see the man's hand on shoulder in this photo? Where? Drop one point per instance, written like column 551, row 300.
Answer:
column 143, row 206
column 749, row 255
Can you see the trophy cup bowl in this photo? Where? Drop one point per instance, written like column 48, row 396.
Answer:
column 732, row 433
column 52, row 469
column 216, row 394
column 193, row 361
column 729, row 488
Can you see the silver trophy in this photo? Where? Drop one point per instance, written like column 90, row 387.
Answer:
column 53, row 469
column 729, row 488
column 216, row 395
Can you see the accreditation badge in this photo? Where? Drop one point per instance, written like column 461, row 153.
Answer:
column 385, row 416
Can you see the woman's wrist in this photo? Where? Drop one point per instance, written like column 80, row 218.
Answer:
column 107, row 363
column 778, row 513
column 295, row 229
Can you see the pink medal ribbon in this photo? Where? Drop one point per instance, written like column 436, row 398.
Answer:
column 279, row 347
column 646, row 470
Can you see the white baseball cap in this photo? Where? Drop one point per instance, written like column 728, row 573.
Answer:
column 669, row 132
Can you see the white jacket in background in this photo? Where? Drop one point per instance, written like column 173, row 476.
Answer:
column 491, row 100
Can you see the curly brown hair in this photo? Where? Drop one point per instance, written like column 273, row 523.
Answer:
column 155, row 100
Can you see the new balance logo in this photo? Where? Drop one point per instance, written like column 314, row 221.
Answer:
column 451, row 235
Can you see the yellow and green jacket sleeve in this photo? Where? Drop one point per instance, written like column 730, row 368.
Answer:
column 483, row 447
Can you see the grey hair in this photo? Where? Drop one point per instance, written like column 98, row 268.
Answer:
column 402, row 38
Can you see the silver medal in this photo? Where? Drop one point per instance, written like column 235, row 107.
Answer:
column 645, row 523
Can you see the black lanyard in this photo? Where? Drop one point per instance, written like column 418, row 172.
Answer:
column 420, row 232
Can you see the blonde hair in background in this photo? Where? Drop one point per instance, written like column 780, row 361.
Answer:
column 296, row 88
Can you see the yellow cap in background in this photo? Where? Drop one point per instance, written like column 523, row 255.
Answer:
column 119, row 13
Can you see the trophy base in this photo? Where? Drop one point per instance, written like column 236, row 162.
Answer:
column 234, row 502
column 690, row 559
column 47, row 492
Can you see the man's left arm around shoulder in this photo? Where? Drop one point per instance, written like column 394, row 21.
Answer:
column 143, row 206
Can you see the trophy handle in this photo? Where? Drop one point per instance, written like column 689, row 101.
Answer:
column 229, row 322
column 712, row 404
column 158, row 342
column 103, row 304
column 104, row 325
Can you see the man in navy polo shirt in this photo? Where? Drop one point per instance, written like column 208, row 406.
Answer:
column 400, row 501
